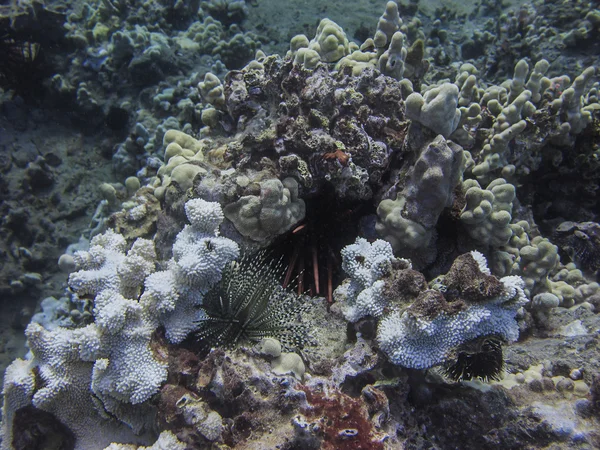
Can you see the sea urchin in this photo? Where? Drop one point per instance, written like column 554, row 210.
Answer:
column 249, row 304
column 480, row 358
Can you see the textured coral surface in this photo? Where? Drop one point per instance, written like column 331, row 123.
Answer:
column 297, row 225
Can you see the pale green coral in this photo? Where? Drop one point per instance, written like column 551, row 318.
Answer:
column 509, row 123
column 468, row 104
column 211, row 90
column 273, row 212
column 516, row 100
column 391, row 62
column 436, row 110
column 307, row 57
column 536, row 261
column 330, row 41
column 296, row 43
column 570, row 286
column 487, row 213
column 517, row 84
column 205, row 34
column 389, row 23
column 398, row 230
column 537, row 82
column 302, row 55
column 183, row 153
column 466, row 80
column 578, row 115
column 358, row 61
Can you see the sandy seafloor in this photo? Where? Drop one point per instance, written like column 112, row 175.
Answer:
column 56, row 151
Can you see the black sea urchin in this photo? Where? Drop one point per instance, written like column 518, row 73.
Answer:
column 480, row 358
column 250, row 304
column 19, row 60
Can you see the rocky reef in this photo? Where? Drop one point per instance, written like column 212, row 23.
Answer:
column 384, row 237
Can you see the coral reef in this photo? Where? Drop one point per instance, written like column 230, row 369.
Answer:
column 434, row 178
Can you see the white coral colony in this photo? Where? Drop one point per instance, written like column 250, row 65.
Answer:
column 110, row 363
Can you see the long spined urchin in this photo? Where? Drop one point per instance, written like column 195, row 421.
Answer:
column 249, row 304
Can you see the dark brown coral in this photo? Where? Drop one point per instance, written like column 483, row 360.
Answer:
column 466, row 281
column 403, row 285
column 430, row 303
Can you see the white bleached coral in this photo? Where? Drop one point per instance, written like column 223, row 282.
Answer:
column 97, row 380
column 481, row 262
column 419, row 342
column 63, row 360
column 166, row 441
column 97, row 267
column 199, row 257
column 121, row 335
column 365, row 264
column 172, row 297
column 136, row 266
column 419, row 327
column 105, row 266
column 205, row 217
column 130, row 373
column 19, row 387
